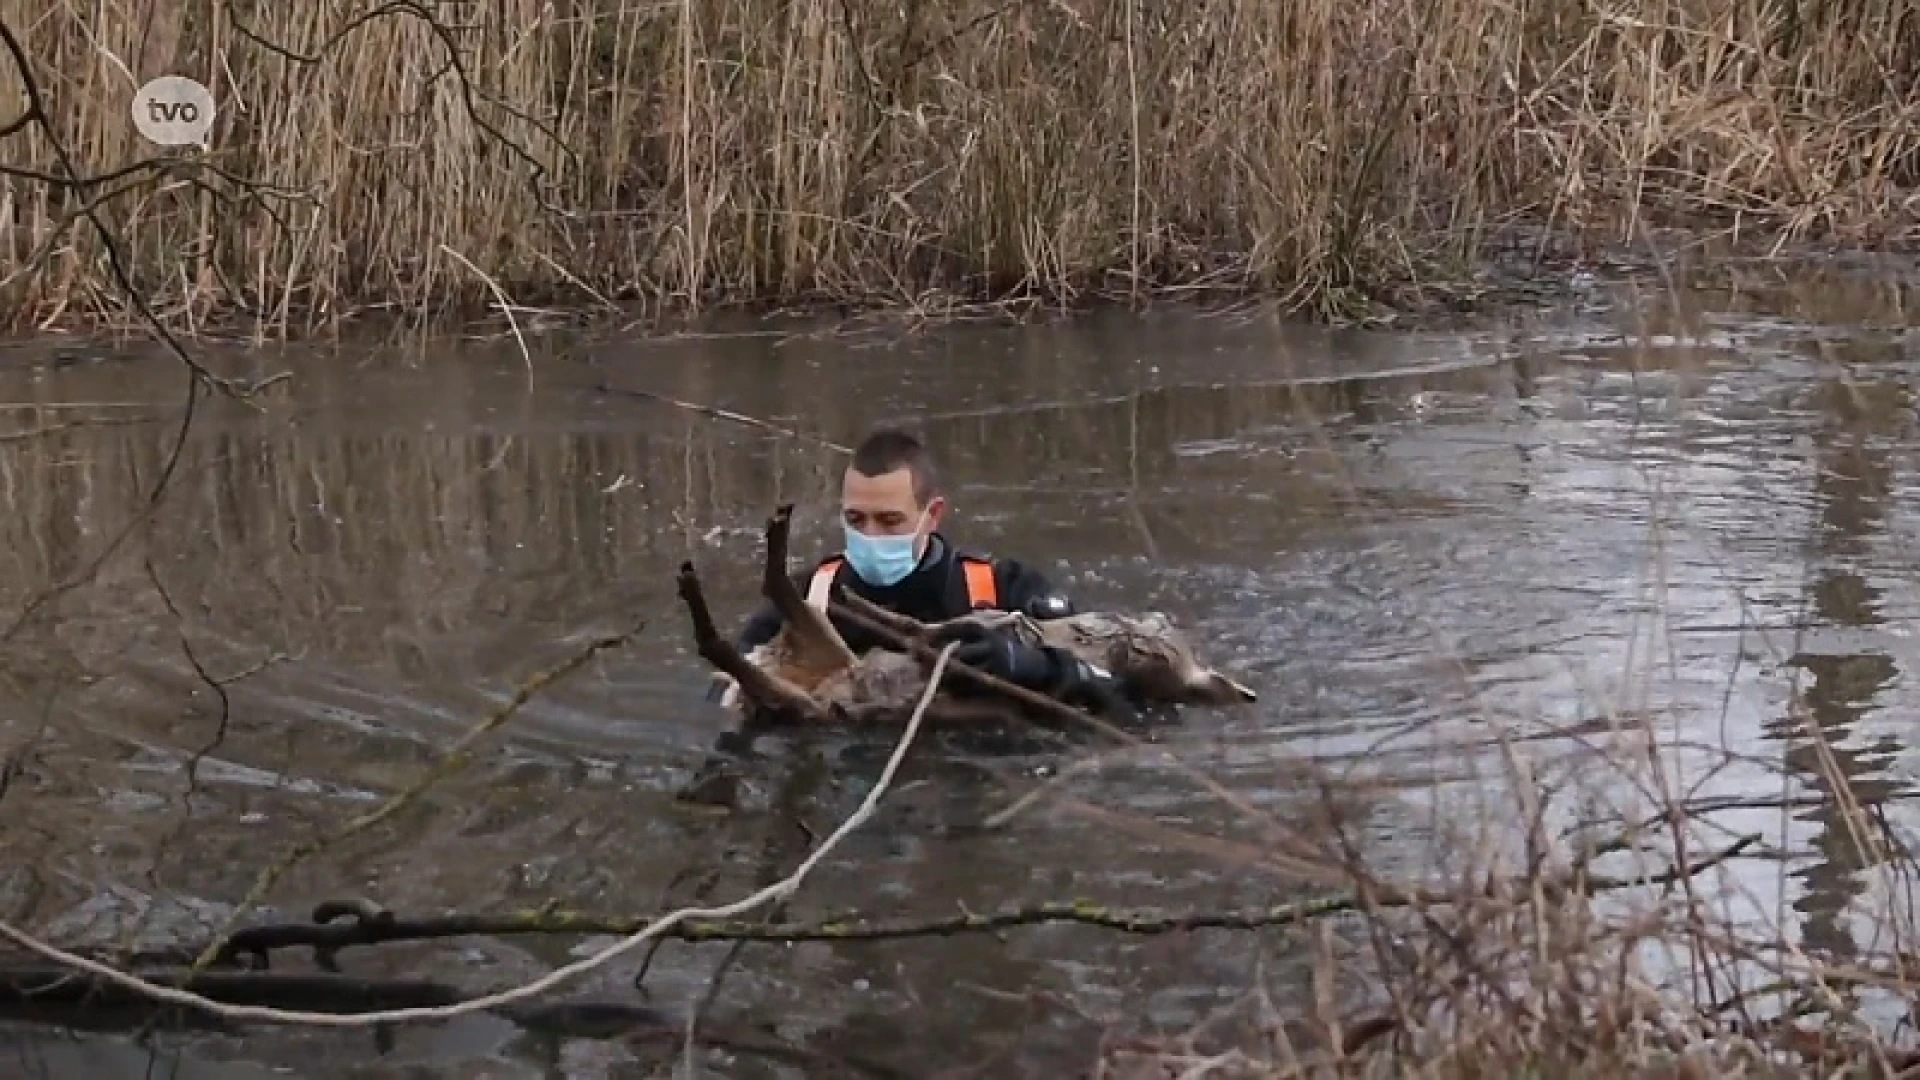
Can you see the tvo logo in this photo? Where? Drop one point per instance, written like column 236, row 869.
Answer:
column 173, row 110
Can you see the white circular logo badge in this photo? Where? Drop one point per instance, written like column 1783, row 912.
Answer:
column 173, row 111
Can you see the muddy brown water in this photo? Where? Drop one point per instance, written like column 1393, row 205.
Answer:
column 1406, row 541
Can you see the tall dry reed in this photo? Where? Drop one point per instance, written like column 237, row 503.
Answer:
column 708, row 151
column 1563, row 931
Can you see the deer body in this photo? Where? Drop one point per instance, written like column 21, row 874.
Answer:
column 807, row 671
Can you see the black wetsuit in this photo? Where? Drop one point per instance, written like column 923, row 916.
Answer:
column 935, row 591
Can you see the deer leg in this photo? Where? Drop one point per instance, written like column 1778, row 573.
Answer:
column 761, row 687
column 926, row 654
column 910, row 630
column 989, row 620
column 815, row 643
column 905, row 627
column 1218, row 689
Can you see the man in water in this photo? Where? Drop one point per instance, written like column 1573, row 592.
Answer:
column 891, row 507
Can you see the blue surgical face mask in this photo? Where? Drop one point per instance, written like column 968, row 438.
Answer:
column 882, row 560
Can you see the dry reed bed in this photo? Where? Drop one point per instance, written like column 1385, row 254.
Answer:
column 1555, row 936
column 712, row 151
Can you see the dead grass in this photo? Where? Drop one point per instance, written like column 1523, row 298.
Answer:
column 1585, row 915
column 685, row 155
column 1575, row 953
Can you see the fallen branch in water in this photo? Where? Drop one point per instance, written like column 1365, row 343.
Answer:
column 454, row 760
column 48, row 993
column 716, row 413
column 373, row 926
column 47, row 985
column 778, row 891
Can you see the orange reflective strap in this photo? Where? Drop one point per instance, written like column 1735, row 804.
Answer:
column 982, row 590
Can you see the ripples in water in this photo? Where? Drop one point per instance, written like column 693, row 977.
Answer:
column 1555, row 543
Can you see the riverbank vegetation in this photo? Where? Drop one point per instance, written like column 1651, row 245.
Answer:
column 1569, row 952
column 684, row 156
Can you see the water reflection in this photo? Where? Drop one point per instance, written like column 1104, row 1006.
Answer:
column 1439, row 535
column 1853, row 482
column 37, row 1054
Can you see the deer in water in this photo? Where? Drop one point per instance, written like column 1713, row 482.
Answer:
column 807, row 674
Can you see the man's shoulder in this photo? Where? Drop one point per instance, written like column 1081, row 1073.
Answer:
column 973, row 554
column 981, row 555
column 1012, row 573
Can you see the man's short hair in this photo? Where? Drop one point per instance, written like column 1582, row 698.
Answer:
column 886, row 450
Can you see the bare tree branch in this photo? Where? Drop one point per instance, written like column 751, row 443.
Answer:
column 367, row 924
column 71, row 183
column 455, row 759
column 468, row 94
column 774, row 893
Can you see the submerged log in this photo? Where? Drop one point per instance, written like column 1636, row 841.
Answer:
column 807, row 675
column 51, row 993
column 58, row 996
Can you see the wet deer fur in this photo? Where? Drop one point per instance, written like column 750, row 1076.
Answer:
column 807, row 674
